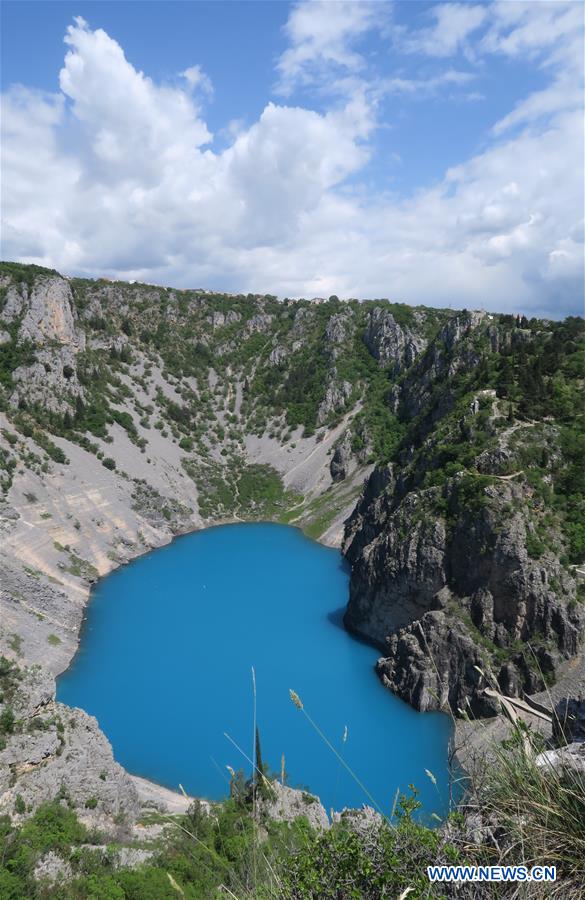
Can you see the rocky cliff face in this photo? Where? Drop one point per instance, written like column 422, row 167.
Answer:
column 444, row 596
column 454, row 351
column 44, row 315
column 395, row 348
column 55, row 751
column 455, row 573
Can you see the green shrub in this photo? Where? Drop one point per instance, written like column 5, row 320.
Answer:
column 534, row 545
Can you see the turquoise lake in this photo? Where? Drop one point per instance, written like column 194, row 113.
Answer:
column 165, row 663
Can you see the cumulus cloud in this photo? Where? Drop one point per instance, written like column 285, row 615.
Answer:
column 117, row 175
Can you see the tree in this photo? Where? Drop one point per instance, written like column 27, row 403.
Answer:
column 506, row 378
column 259, row 781
column 259, row 763
column 79, row 409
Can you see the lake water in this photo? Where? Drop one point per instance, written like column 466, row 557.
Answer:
column 165, row 665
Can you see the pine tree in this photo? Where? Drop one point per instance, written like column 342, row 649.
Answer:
column 505, row 378
column 79, row 409
column 259, row 764
column 259, row 782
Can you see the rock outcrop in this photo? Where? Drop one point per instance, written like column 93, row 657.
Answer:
column 285, row 804
column 337, row 333
column 464, row 574
column 47, row 321
column 452, row 352
column 57, row 751
column 336, row 397
column 395, row 348
column 342, row 458
column 561, row 760
column 445, row 595
column 45, row 313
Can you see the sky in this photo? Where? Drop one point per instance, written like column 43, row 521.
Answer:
column 425, row 152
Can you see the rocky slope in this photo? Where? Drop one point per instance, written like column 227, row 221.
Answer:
column 461, row 547
column 55, row 751
column 131, row 413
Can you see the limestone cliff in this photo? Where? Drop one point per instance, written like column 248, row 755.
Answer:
column 54, row 751
column 459, row 562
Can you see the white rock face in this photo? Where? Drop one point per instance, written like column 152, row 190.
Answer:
column 69, row 749
column 277, row 356
column 50, row 380
column 49, row 313
column 53, row 867
column 362, row 821
column 570, row 758
column 287, row 804
column 335, row 398
column 393, row 346
column 49, row 323
column 258, row 324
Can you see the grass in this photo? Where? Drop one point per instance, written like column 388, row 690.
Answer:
column 524, row 814
column 250, row 492
column 15, row 643
column 300, row 706
column 541, row 811
column 81, row 568
column 321, row 512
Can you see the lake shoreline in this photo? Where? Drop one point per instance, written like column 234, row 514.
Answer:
column 293, row 568
column 469, row 736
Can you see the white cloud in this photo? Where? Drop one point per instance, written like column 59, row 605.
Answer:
column 128, row 120
column 198, row 80
column 529, row 29
column 551, row 34
column 453, row 25
column 421, row 88
column 116, row 175
column 322, row 36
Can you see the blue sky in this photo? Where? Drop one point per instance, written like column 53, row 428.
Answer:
column 428, row 152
